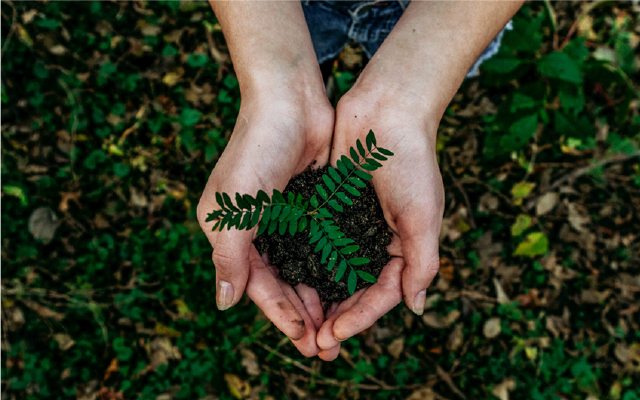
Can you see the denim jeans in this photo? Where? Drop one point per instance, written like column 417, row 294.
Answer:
column 333, row 24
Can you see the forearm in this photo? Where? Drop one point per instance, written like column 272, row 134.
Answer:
column 270, row 45
column 432, row 47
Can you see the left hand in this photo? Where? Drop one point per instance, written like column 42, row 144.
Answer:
column 411, row 193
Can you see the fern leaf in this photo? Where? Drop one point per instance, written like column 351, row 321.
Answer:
column 342, row 267
column 361, row 149
column 366, row 276
column 329, row 183
column 343, row 197
column 352, row 282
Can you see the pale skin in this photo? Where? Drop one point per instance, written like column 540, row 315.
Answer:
column 286, row 123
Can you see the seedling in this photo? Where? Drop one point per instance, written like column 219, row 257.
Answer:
column 276, row 214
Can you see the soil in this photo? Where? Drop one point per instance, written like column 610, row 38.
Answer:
column 363, row 222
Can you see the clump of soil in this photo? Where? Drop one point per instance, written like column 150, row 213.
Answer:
column 363, row 222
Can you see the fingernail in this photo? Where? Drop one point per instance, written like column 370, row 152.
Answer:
column 418, row 303
column 339, row 339
column 224, row 297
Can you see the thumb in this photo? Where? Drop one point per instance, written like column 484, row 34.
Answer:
column 231, row 260
column 420, row 249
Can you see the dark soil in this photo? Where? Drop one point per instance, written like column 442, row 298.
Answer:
column 363, row 222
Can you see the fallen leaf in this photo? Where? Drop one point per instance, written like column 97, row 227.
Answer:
column 502, row 389
column 456, row 338
column 396, row 347
column 521, row 190
column 238, row 388
column 436, row 321
column 41, row 310
column 69, row 196
column 492, row 328
column 446, row 269
column 523, row 222
column 547, row 202
column 535, row 244
column 500, row 294
column 58, row 50
column 164, row 330
column 64, row 341
column 422, row 394
column 161, row 351
column 113, row 367
column 250, row 362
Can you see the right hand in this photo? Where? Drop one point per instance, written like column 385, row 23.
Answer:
column 278, row 134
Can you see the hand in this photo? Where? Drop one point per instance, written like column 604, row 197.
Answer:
column 277, row 136
column 411, row 194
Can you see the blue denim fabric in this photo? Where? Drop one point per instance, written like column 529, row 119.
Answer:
column 333, row 24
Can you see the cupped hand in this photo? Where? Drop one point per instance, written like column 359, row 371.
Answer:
column 409, row 187
column 277, row 136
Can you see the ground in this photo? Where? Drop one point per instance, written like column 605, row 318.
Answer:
column 114, row 114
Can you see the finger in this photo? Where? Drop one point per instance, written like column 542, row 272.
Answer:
column 266, row 292
column 331, row 354
column 307, row 343
column 395, row 247
column 312, row 304
column 422, row 260
column 378, row 299
column 326, row 339
column 231, row 261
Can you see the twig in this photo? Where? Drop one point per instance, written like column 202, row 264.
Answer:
column 447, row 379
column 615, row 158
column 11, row 30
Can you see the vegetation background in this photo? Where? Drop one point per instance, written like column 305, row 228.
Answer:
column 113, row 115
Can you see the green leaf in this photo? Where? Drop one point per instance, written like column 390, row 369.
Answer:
column 266, row 214
column 282, row 227
column 324, row 213
column 235, row 221
column 320, row 244
column 255, row 217
column 359, row 261
column 325, row 253
column 272, row 226
column 378, row 156
column 264, row 223
column 277, row 196
column 349, row 249
column 352, row 281
column 334, row 204
column 225, row 220
column 385, row 151
column 275, row 211
column 240, row 201
column 314, row 201
column 351, row 190
column 342, row 167
column 535, row 244
column 371, row 140
column 374, row 162
column 344, row 198
column 354, row 155
column 347, row 162
column 335, row 175
column 521, row 190
column 559, row 65
column 246, row 218
column 363, row 175
column 291, row 198
column 302, row 224
column 250, row 200
column 285, row 213
column 263, row 197
column 501, row 65
column 342, row 267
column 525, row 126
column 357, row 181
column 228, row 202
column 321, row 192
column 293, row 227
column 367, row 277
column 342, row 242
column 329, row 183
column 361, row 150
column 315, row 237
column 189, row 117
column 212, row 216
column 332, row 260
column 368, row 167
column 523, row 222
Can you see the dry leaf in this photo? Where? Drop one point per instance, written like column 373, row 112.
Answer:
column 492, row 328
column 436, row 321
column 501, row 295
column 238, row 388
column 456, row 338
column 43, row 223
column 69, row 196
column 113, row 367
column 41, row 310
column 396, row 347
column 422, row 394
column 546, row 203
column 250, row 362
column 161, row 351
column 502, row 389
column 64, row 341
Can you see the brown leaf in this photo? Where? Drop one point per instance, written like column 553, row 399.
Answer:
column 250, row 362
column 161, row 351
column 446, row 269
column 492, row 328
column 69, row 196
column 422, row 394
column 396, row 347
column 546, row 203
column 436, row 321
column 41, row 310
column 502, row 389
column 43, row 223
column 456, row 338
column 64, row 341
column 113, row 367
